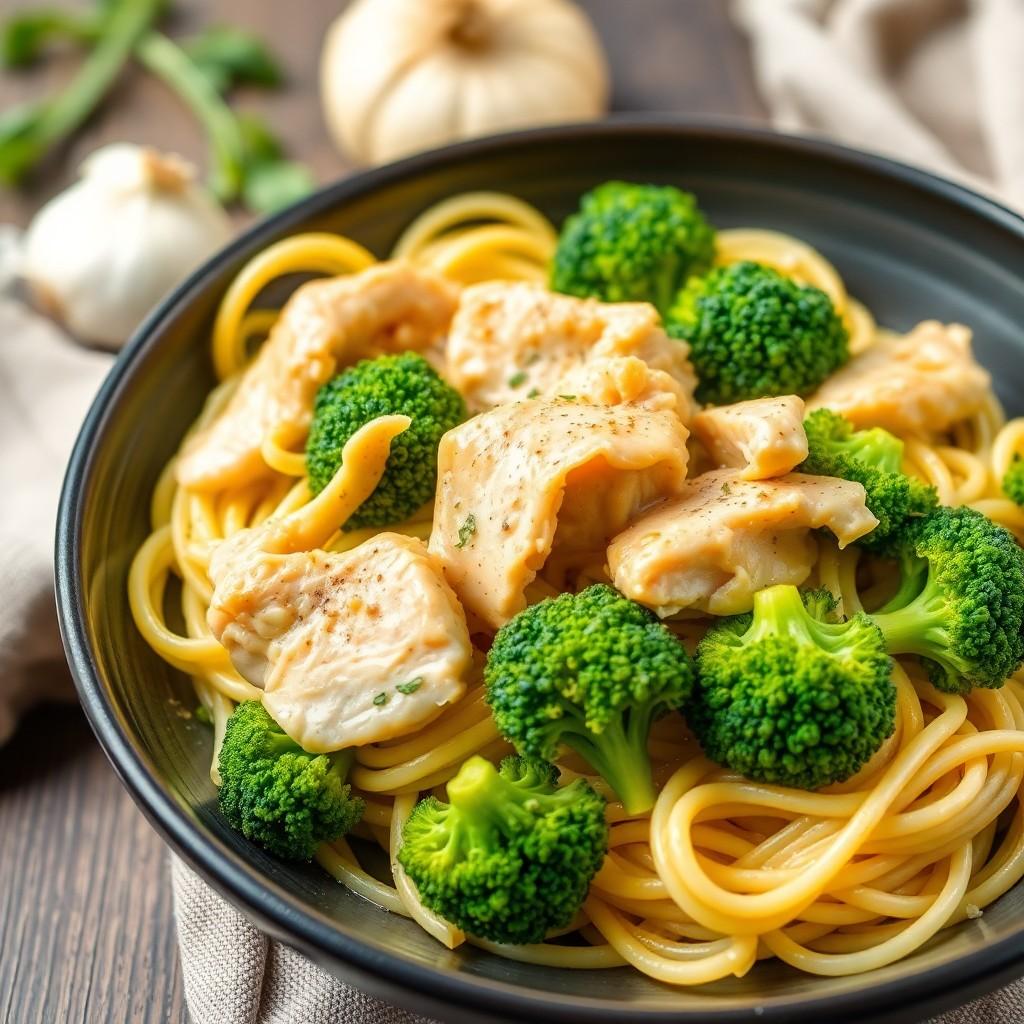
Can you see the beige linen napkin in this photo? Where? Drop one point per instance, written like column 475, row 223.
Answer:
column 46, row 385
column 234, row 974
column 938, row 83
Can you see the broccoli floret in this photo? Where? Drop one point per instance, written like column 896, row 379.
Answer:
column 511, row 856
column 279, row 795
column 873, row 458
column 960, row 605
column 593, row 671
column 404, row 384
column 755, row 333
column 632, row 243
column 1013, row 481
column 786, row 697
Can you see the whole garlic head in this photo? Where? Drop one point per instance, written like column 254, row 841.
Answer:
column 398, row 76
column 101, row 254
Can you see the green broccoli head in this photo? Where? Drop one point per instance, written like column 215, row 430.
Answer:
column 755, row 333
column 402, row 384
column 960, row 605
column 593, row 671
column 1013, row 481
column 632, row 243
column 786, row 697
column 511, row 856
column 277, row 794
column 873, row 458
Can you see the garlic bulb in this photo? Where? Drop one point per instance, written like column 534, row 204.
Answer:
column 402, row 75
column 101, row 254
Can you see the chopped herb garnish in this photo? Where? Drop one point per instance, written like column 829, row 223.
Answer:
column 517, row 380
column 568, row 398
column 533, row 393
column 466, row 530
column 410, row 687
column 381, row 699
column 726, row 489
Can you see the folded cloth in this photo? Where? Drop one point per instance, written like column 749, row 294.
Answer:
column 234, row 974
column 1003, row 1007
column 46, row 385
column 938, row 83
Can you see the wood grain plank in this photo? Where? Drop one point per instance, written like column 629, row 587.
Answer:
column 86, row 928
column 86, row 921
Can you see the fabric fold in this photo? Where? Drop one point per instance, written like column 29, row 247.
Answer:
column 234, row 974
column 932, row 82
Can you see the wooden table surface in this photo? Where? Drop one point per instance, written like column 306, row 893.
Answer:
column 86, row 925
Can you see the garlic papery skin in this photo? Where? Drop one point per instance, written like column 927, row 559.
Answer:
column 101, row 254
column 397, row 76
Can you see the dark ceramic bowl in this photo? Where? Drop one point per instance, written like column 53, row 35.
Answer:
column 908, row 244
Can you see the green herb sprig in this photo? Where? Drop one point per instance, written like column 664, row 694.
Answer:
column 247, row 163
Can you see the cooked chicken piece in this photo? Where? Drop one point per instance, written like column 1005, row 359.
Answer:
column 510, row 341
column 349, row 648
column 391, row 307
column 625, row 380
column 762, row 438
column 922, row 382
column 724, row 538
column 528, row 478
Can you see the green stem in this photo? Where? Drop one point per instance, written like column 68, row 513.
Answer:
column 342, row 761
column 172, row 65
column 60, row 116
column 621, row 759
column 918, row 628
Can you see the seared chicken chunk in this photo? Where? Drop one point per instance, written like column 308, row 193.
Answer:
column 724, row 538
column 511, row 341
column 525, row 479
column 918, row 383
column 762, row 438
column 392, row 307
column 349, row 648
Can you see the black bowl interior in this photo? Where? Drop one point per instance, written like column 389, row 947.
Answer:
column 909, row 245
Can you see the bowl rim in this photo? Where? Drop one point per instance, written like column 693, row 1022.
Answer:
column 972, row 973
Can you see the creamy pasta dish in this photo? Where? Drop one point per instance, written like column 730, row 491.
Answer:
column 642, row 598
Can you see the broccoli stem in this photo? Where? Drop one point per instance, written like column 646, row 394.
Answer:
column 780, row 611
column 619, row 755
column 58, row 117
column 172, row 65
column 472, row 789
column 667, row 283
column 912, row 582
column 486, row 799
column 342, row 761
column 920, row 627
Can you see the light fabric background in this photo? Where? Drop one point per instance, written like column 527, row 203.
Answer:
column 934, row 82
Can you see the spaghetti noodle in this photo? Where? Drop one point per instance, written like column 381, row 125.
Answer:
column 723, row 872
